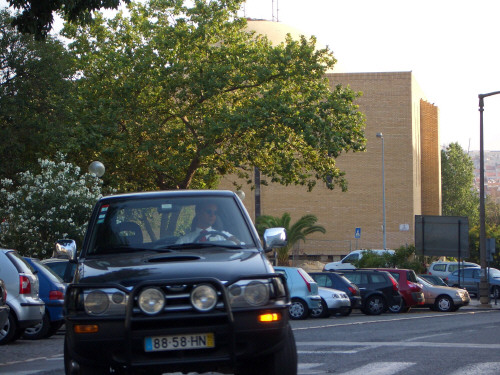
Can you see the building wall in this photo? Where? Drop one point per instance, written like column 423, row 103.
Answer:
column 431, row 160
column 392, row 105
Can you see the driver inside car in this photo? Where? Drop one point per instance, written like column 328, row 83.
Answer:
column 203, row 229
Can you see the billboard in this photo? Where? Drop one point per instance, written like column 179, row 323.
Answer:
column 442, row 236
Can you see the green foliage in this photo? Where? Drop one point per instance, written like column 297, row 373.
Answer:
column 371, row 259
column 303, row 227
column 403, row 258
column 175, row 94
column 43, row 208
column 36, row 92
column 459, row 197
column 37, row 16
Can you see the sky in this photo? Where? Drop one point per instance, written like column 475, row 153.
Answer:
column 451, row 47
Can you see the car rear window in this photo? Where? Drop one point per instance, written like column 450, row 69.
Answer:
column 21, row 265
column 378, row 278
column 439, row 267
column 412, row 276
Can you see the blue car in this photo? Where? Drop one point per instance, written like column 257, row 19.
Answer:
column 303, row 292
column 52, row 291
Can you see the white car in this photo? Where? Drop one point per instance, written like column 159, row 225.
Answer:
column 346, row 263
column 443, row 268
column 333, row 301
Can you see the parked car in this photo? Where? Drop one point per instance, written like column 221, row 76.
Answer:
column 153, row 293
column 340, row 282
column 434, row 280
column 62, row 267
column 443, row 298
column 470, row 277
column 26, row 308
column 303, row 291
column 378, row 289
column 52, row 291
column 4, row 308
column 348, row 261
column 334, row 302
column 410, row 289
column 443, row 268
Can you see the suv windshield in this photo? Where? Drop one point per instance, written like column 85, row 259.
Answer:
column 168, row 223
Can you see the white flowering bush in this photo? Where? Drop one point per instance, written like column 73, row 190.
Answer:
column 55, row 204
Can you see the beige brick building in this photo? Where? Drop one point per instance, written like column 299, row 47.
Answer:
column 394, row 105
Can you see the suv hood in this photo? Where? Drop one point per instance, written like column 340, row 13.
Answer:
column 128, row 269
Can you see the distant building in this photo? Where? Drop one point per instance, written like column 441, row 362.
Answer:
column 394, row 105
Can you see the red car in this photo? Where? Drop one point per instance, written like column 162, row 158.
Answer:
column 409, row 287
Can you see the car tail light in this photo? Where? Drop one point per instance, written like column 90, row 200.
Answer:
column 24, row 285
column 414, row 287
column 353, row 290
column 305, row 280
column 395, row 285
column 56, row 294
column 4, row 294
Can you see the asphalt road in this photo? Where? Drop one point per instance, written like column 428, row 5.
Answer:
column 419, row 342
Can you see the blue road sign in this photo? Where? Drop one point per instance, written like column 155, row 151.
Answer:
column 357, row 233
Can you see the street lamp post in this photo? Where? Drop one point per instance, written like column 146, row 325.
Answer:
column 381, row 136
column 484, row 295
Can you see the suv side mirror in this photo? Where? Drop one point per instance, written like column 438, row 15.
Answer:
column 65, row 249
column 274, row 237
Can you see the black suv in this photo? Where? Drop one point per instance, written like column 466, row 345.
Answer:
column 379, row 289
column 176, row 282
column 337, row 281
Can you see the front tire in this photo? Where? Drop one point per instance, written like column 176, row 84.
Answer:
column 444, row 304
column 282, row 362
column 298, row 310
column 71, row 367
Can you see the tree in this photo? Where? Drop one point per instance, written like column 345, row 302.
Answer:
column 459, row 196
column 37, row 16
column 295, row 233
column 175, row 96
column 36, row 92
column 45, row 207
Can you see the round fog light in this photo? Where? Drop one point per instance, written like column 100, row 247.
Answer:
column 151, row 301
column 203, row 297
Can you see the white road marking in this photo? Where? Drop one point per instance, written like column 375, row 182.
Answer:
column 380, row 368
column 409, row 344
column 487, row 368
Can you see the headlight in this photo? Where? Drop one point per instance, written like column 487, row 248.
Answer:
column 256, row 293
column 104, row 301
column 151, row 301
column 96, row 302
column 204, row 297
column 246, row 293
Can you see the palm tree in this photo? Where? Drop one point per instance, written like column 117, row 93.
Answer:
column 298, row 231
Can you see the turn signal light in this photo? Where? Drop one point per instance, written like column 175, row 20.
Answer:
column 270, row 317
column 86, row 328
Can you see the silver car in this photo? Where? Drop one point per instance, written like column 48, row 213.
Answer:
column 26, row 308
column 333, row 301
column 443, row 298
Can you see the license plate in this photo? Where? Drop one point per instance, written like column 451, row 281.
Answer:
column 179, row 342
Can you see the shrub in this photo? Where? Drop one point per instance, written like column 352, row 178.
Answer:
column 40, row 209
